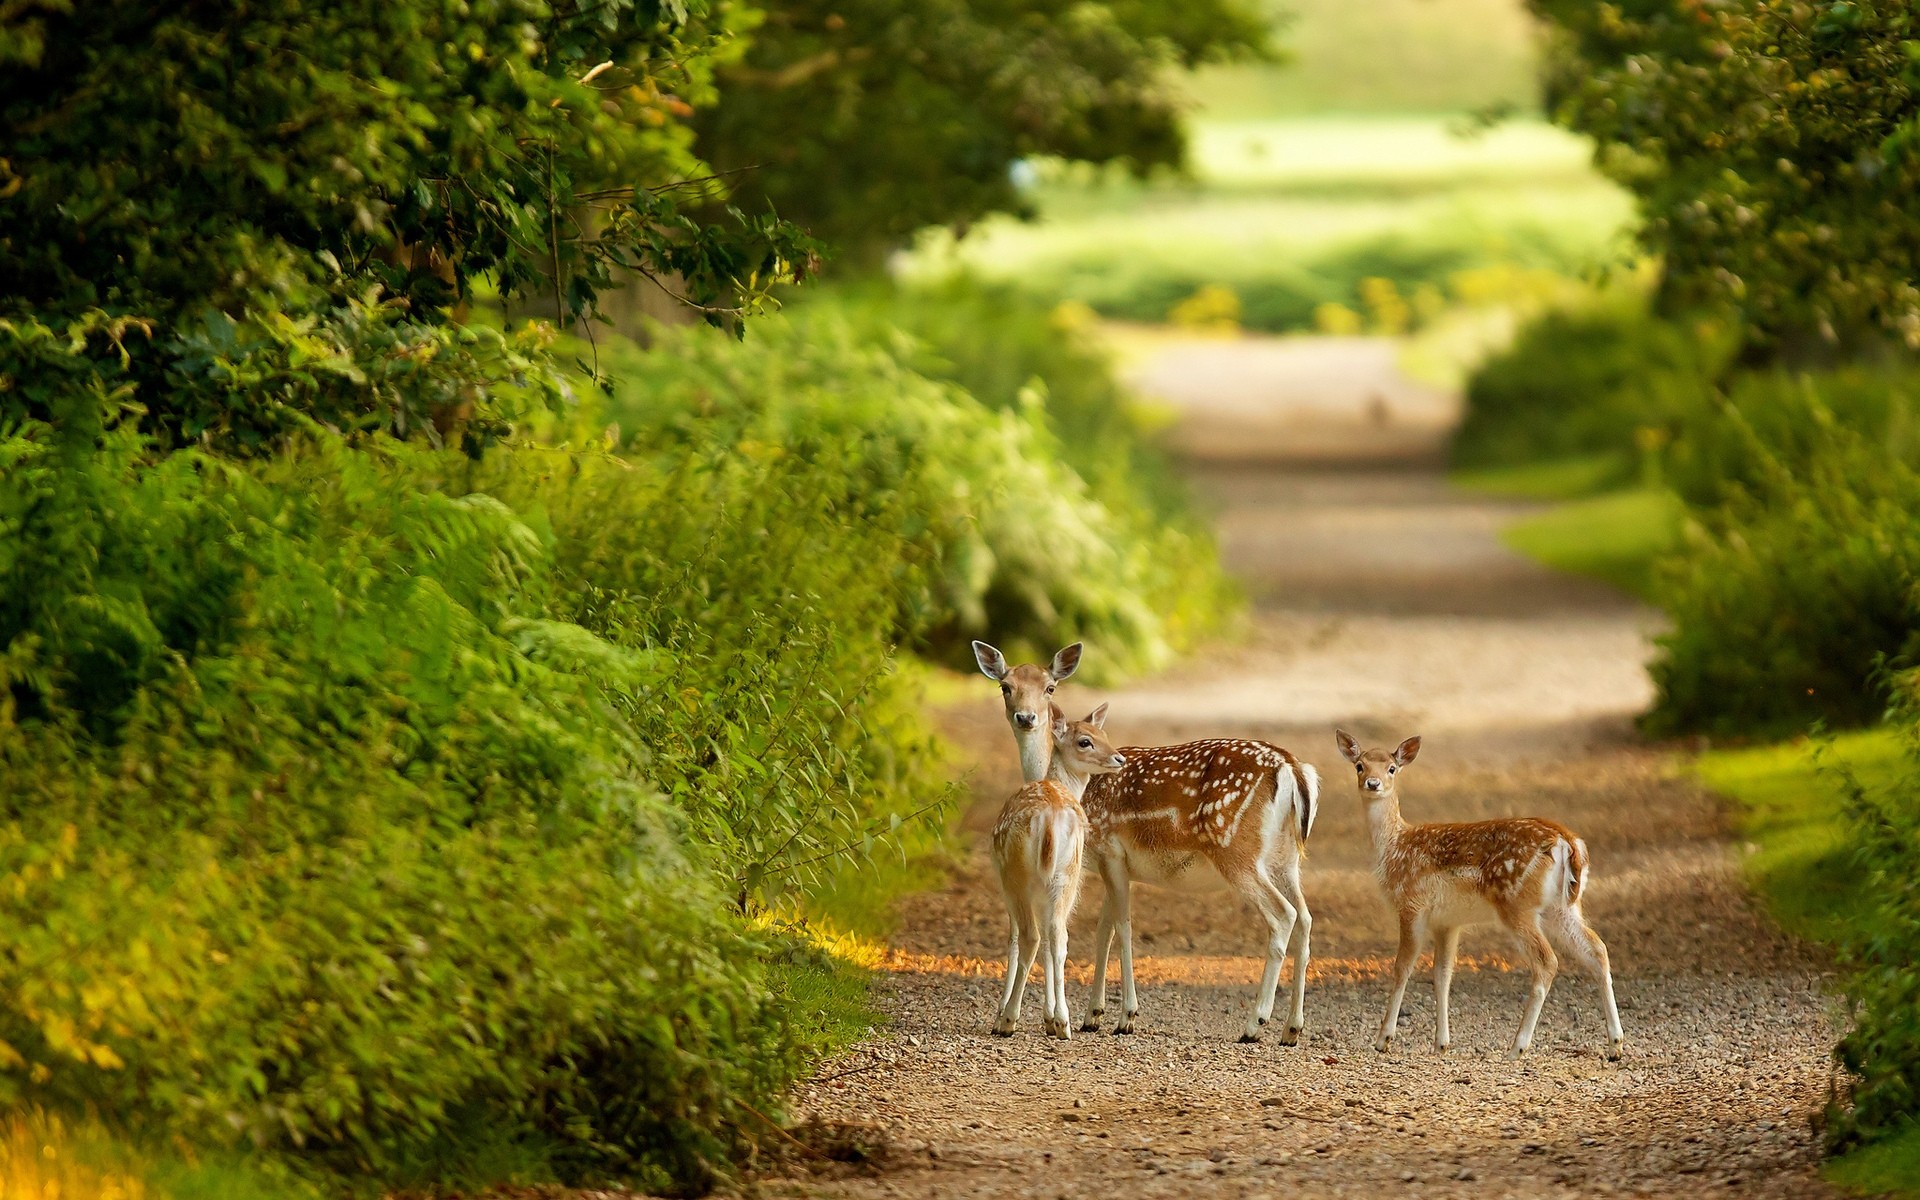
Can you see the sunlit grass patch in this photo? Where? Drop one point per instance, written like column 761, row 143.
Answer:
column 1559, row 479
column 1791, row 810
column 1889, row 1168
column 1615, row 537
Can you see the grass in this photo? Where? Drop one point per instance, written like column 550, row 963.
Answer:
column 1616, row 536
column 1561, row 479
column 1788, row 804
column 1384, row 56
column 1790, row 811
column 1293, row 213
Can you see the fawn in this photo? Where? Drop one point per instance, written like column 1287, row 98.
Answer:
column 1244, row 807
column 1037, row 848
column 1520, row 871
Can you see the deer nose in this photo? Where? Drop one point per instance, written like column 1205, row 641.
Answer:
column 1373, row 785
column 1025, row 720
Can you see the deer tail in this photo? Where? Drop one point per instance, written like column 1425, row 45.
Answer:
column 1570, row 859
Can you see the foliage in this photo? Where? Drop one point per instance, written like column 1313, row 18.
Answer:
column 1787, row 598
column 865, row 121
column 1824, row 819
column 1587, row 381
column 291, row 203
column 1013, row 541
column 1881, row 1052
column 1291, row 215
column 1774, row 146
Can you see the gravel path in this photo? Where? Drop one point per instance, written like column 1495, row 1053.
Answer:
column 1382, row 601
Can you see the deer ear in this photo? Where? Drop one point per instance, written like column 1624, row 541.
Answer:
column 1066, row 662
column 993, row 664
column 1348, row 747
column 1407, row 751
column 1098, row 717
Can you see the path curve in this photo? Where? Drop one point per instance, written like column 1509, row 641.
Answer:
column 1382, row 600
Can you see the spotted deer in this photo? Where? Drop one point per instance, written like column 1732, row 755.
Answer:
column 1527, row 873
column 1038, row 845
column 1243, row 807
column 1027, row 692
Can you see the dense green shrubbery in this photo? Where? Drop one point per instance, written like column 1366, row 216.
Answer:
column 1785, row 599
column 1882, row 1050
column 1579, row 382
column 1015, row 542
column 323, row 832
column 367, row 795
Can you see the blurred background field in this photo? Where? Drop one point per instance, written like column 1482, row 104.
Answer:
column 1395, row 168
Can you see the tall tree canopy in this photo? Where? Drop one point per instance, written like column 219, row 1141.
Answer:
column 864, row 120
column 1775, row 149
column 270, row 208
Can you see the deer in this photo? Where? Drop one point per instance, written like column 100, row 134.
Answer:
column 1243, row 807
column 1038, row 847
column 1526, row 873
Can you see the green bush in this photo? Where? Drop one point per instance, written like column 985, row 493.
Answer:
column 1587, row 381
column 1881, row 1052
column 1776, row 420
column 1786, row 600
column 322, row 833
column 1014, row 542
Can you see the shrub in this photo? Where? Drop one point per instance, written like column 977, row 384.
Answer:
column 1788, row 597
column 1881, row 1052
column 1586, row 381
column 1015, row 544
column 323, row 833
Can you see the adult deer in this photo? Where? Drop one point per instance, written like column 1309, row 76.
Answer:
column 1037, row 849
column 1523, row 872
column 1243, row 807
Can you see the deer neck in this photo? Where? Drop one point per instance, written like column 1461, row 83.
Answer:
column 1059, row 773
column 1036, row 753
column 1384, row 825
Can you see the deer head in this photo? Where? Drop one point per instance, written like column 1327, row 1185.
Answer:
column 1081, row 748
column 1376, row 769
column 1026, row 689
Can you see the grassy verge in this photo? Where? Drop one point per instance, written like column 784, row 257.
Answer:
column 1613, row 535
column 1800, row 861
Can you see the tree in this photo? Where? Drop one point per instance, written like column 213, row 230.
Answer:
column 865, row 120
column 1774, row 146
column 261, row 213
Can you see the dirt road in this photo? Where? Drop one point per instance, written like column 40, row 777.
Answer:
column 1383, row 601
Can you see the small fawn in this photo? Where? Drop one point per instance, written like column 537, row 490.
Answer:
column 1244, row 807
column 1523, row 872
column 1037, row 848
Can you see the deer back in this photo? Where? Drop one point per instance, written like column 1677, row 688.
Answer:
column 1202, row 797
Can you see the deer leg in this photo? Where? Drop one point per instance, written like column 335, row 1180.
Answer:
column 1403, row 962
column 1579, row 942
column 1102, row 944
column 1024, row 945
column 1121, row 890
column 1279, row 914
column 1446, row 944
column 1289, row 884
column 1062, row 891
column 1545, row 964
